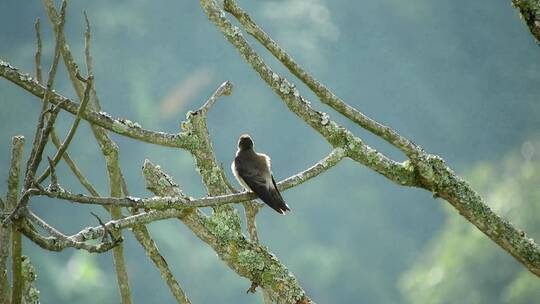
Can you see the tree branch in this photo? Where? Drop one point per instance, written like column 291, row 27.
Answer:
column 63, row 147
column 143, row 237
column 335, row 134
column 225, row 89
column 59, row 244
column 248, row 259
column 181, row 202
column 530, row 12
column 17, row 146
column 74, row 168
column 107, row 146
column 324, row 94
column 120, row 126
column 423, row 170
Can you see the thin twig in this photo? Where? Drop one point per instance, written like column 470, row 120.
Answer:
column 74, row 168
column 180, row 202
column 144, row 238
column 225, row 89
column 29, row 178
column 60, row 242
column 107, row 146
column 63, row 147
column 107, row 233
column 41, row 140
column 39, row 47
column 54, row 178
column 87, row 40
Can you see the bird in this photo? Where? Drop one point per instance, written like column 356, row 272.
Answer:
column 254, row 172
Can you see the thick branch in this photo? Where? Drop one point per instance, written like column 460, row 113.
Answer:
column 530, row 12
column 443, row 182
column 17, row 145
column 423, row 170
column 244, row 257
column 335, row 134
column 324, row 94
column 120, row 126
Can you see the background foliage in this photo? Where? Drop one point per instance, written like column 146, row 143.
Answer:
column 460, row 78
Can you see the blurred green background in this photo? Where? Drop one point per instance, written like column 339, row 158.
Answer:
column 460, row 78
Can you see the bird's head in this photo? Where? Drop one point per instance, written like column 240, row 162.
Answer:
column 245, row 142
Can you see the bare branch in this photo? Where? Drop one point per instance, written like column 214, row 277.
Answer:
column 59, row 244
column 71, row 132
column 42, row 134
column 107, row 146
column 530, row 12
column 87, row 54
column 17, row 145
column 335, row 134
column 120, row 126
column 246, row 258
column 251, row 208
column 225, row 89
column 325, row 95
column 181, row 202
column 29, row 178
column 423, row 170
column 39, row 47
column 143, row 236
column 76, row 171
column 7, row 233
column 54, row 178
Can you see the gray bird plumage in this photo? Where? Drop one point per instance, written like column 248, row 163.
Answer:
column 253, row 171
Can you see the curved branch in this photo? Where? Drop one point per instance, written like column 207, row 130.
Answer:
column 120, row 126
column 59, row 244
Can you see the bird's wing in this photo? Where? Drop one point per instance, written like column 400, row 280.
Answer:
column 262, row 183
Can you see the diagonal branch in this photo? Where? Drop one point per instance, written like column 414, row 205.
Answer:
column 324, row 94
column 120, row 126
column 336, row 135
column 247, row 259
column 63, row 147
column 225, row 89
column 423, row 170
column 74, row 168
column 55, row 243
column 530, row 12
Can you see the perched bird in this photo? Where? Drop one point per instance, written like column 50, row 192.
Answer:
column 253, row 171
